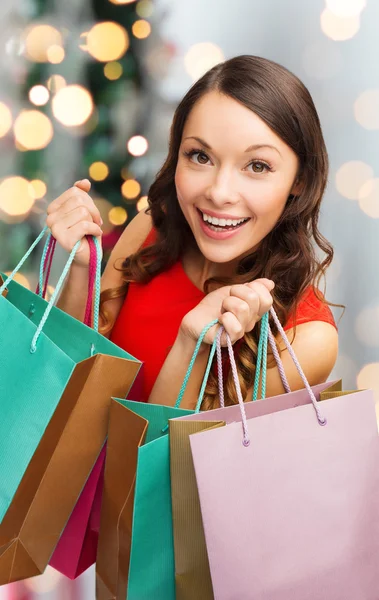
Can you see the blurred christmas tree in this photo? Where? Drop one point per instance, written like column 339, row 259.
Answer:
column 78, row 107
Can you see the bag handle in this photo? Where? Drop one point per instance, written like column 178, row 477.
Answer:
column 246, row 440
column 45, row 268
column 59, row 285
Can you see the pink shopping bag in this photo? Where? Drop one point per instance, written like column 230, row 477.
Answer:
column 290, row 500
column 76, row 549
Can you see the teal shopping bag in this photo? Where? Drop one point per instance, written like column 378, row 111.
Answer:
column 57, row 379
column 136, row 553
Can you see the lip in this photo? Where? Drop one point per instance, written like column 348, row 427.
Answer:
column 218, row 235
column 211, row 213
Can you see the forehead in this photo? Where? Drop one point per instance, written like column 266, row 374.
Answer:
column 221, row 120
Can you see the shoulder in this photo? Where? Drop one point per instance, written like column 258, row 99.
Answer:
column 315, row 345
column 131, row 240
column 311, row 307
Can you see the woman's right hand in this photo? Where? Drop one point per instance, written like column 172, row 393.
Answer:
column 71, row 217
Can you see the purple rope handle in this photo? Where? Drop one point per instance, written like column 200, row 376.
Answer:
column 91, row 282
column 320, row 418
column 246, row 440
column 278, row 360
column 219, row 369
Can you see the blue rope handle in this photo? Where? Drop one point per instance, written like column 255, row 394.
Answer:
column 190, row 367
column 261, row 366
column 24, row 258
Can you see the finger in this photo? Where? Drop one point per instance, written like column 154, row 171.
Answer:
column 83, row 184
column 268, row 283
column 232, row 326
column 264, row 296
column 241, row 309
column 77, row 202
column 69, row 237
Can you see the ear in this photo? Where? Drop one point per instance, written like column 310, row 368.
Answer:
column 297, row 187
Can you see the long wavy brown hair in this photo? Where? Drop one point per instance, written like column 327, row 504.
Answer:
column 289, row 255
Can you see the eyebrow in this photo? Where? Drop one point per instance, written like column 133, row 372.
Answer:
column 249, row 149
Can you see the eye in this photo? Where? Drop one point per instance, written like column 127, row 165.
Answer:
column 258, row 166
column 201, row 159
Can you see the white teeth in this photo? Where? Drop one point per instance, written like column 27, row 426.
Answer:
column 222, row 222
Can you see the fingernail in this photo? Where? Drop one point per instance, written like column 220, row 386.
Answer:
column 101, row 221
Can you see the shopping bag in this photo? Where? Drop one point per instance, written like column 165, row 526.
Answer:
column 289, row 500
column 77, row 546
column 57, row 378
column 135, row 554
column 192, row 575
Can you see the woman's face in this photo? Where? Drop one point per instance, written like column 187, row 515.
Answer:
column 233, row 177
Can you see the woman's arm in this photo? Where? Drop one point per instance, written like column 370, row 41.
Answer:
column 316, row 348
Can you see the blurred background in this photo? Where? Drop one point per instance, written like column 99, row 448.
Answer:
column 88, row 89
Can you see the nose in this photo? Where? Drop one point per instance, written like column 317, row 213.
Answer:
column 222, row 189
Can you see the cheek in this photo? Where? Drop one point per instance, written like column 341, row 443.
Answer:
column 269, row 203
column 188, row 187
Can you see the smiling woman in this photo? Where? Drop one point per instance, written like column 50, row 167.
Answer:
column 231, row 229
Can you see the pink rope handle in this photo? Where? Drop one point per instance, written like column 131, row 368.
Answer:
column 91, row 282
column 47, row 266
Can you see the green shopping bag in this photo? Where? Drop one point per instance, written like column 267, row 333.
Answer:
column 57, row 379
column 135, row 557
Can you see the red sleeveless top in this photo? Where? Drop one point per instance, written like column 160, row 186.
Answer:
column 150, row 317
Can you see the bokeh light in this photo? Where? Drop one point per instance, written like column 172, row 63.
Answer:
column 122, row 1
column 55, row 54
column 16, row 196
column 117, row 215
column 368, row 378
column 104, row 208
column 366, row 109
column 351, row 176
column 72, row 105
column 39, row 188
column 142, row 203
column 38, row 39
column 98, row 171
column 113, row 70
column 369, row 198
column 345, row 8
column 367, row 326
column 339, row 28
column 107, row 41
column 39, row 95
column 56, row 83
column 137, row 145
column 145, row 8
column 130, row 189
column 5, row 119
column 201, row 57
column 33, row 130
column 141, row 29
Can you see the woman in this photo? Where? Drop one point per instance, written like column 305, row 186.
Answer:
column 231, row 228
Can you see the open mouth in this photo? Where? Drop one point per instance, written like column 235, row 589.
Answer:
column 218, row 225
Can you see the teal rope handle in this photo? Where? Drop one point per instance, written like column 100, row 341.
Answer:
column 24, row 258
column 192, row 362
column 261, row 365
column 96, row 307
column 190, row 367
column 50, row 305
column 206, row 375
